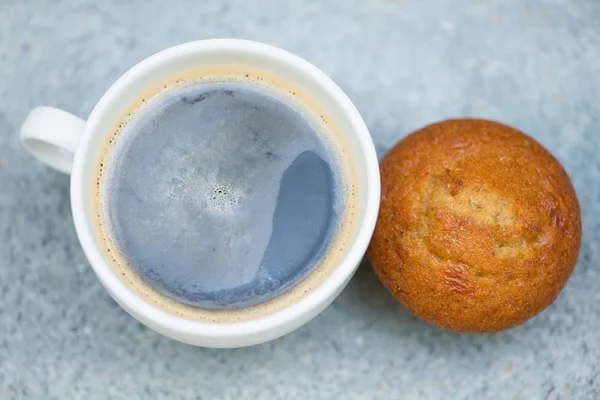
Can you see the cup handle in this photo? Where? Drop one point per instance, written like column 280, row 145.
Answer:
column 52, row 136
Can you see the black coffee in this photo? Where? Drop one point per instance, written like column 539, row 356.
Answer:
column 223, row 195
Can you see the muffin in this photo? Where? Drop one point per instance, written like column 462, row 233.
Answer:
column 479, row 226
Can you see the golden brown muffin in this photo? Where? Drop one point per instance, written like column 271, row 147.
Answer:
column 479, row 227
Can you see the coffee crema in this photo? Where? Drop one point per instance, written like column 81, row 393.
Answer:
column 224, row 195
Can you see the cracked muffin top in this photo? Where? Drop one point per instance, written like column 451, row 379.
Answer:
column 479, row 226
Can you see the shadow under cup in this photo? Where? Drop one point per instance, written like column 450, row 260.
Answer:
column 124, row 96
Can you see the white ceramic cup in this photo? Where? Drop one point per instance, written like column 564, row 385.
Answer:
column 72, row 145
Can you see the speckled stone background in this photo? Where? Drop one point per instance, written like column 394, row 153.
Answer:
column 534, row 64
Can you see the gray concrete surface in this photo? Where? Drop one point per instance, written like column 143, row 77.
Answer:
column 534, row 64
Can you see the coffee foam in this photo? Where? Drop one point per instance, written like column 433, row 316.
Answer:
column 223, row 198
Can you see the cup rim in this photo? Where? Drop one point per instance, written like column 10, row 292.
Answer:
column 147, row 312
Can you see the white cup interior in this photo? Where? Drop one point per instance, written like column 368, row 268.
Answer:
column 216, row 53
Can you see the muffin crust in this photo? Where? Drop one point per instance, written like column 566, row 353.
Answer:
column 479, row 226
